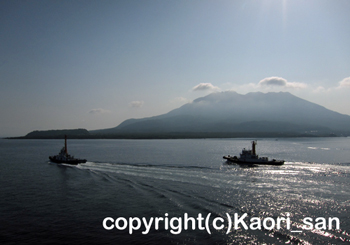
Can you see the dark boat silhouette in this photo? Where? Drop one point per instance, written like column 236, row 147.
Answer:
column 250, row 157
column 64, row 157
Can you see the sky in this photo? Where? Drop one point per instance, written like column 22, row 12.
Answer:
column 93, row 64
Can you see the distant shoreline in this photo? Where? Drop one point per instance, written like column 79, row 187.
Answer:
column 188, row 135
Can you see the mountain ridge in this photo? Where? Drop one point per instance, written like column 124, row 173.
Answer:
column 226, row 114
column 230, row 111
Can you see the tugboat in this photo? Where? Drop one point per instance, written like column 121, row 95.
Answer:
column 64, row 157
column 250, row 157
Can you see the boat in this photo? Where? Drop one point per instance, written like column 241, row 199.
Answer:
column 250, row 157
column 64, row 157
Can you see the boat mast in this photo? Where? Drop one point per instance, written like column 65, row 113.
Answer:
column 65, row 144
column 253, row 147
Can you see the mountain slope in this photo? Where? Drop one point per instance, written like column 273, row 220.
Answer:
column 233, row 112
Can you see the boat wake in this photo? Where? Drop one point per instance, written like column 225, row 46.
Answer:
column 267, row 191
column 191, row 174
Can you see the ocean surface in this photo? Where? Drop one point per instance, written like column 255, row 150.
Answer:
column 178, row 183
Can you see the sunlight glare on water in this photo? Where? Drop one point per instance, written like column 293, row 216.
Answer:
column 177, row 177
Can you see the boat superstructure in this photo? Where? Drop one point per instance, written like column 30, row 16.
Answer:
column 250, row 157
column 64, row 157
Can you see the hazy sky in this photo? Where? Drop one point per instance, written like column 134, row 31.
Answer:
column 93, row 64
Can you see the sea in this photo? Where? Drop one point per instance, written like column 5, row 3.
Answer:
column 175, row 191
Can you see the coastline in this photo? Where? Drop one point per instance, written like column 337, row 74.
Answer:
column 186, row 135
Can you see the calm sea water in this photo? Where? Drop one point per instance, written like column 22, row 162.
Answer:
column 47, row 203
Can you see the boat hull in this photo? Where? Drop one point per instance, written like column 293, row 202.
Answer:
column 257, row 162
column 70, row 161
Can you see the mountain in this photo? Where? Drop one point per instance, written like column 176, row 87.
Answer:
column 230, row 112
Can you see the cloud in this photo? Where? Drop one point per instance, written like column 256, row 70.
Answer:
column 296, row 85
column 136, row 104
column 180, row 100
column 99, row 111
column 279, row 81
column 273, row 81
column 320, row 89
column 204, row 86
column 345, row 83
